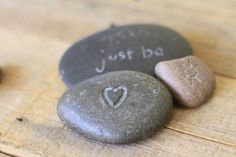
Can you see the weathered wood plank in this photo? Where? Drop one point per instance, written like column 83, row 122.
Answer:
column 208, row 25
column 34, row 35
column 32, row 91
column 4, row 155
column 215, row 120
column 44, row 140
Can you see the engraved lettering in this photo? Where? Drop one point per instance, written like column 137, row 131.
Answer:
column 129, row 54
column 147, row 53
column 102, row 68
column 121, row 55
column 159, row 52
column 112, row 58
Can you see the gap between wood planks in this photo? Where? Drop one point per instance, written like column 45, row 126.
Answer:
column 201, row 137
column 224, row 75
column 7, row 154
column 4, row 151
column 170, row 128
column 166, row 127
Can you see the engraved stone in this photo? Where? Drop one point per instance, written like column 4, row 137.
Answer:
column 117, row 101
column 132, row 47
column 189, row 79
column 117, row 107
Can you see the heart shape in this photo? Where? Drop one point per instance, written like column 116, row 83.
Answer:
column 115, row 104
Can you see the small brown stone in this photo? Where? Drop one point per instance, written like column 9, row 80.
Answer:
column 189, row 79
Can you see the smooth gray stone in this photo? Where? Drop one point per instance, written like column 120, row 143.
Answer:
column 132, row 47
column 117, row 107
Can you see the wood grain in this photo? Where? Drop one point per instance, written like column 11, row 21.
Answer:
column 208, row 25
column 4, row 155
column 34, row 35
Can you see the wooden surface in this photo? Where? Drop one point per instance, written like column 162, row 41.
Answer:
column 34, row 35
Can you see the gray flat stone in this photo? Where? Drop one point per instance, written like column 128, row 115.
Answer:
column 117, row 107
column 132, row 47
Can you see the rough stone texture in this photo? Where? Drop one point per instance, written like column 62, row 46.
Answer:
column 132, row 47
column 188, row 78
column 117, row 107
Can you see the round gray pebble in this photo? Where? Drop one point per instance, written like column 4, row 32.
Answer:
column 117, row 107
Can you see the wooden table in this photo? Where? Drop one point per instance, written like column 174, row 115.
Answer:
column 35, row 33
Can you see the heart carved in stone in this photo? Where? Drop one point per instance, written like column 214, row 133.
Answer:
column 115, row 96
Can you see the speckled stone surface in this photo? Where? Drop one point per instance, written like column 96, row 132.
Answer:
column 132, row 47
column 117, row 107
column 188, row 78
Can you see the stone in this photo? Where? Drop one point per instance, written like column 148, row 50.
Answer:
column 190, row 81
column 116, row 107
column 132, row 47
